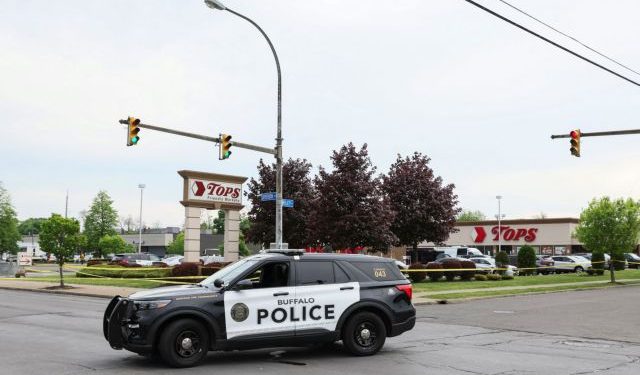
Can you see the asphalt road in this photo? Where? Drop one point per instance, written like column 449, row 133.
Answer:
column 562, row 333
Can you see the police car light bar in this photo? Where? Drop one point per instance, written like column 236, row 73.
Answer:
column 287, row 251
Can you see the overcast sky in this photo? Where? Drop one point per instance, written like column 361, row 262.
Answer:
column 441, row 77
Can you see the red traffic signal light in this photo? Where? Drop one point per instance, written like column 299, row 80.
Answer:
column 575, row 142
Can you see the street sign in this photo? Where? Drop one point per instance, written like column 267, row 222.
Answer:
column 268, row 196
column 288, row 203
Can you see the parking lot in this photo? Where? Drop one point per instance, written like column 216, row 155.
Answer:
column 561, row 333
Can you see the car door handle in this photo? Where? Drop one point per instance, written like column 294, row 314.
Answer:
column 346, row 288
column 280, row 294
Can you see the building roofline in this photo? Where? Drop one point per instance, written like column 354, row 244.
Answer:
column 559, row 220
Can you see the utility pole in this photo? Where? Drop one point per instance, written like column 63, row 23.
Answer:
column 141, row 186
column 66, row 204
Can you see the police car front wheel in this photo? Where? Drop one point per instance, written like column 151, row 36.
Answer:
column 184, row 343
column 364, row 334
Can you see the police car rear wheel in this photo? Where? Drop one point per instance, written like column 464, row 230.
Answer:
column 184, row 343
column 364, row 334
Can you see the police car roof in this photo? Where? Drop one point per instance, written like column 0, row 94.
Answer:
column 328, row 256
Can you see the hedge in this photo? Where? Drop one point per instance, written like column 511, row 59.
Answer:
column 434, row 272
column 480, row 277
column 185, row 269
column 494, row 277
column 527, row 260
column 123, row 272
column 467, row 264
column 451, row 264
column 416, row 277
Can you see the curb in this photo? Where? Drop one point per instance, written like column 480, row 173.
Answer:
column 69, row 293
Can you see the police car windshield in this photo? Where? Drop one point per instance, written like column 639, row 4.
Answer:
column 228, row 273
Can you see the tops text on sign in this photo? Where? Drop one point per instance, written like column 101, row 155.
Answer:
column 211, row 190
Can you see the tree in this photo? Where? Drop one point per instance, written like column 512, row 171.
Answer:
column 30, row 226
column 527, row 260
column 115, row 244
column 350, row 208
column 176, row 247
column 9, row 234
column 61, row 237
column 610, row 226
column 127, row 224
column 297, row 185
column 468, row 215
column 101, row 220
column 425, row 208
column 218, row 223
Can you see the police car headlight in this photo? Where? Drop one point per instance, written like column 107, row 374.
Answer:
column 151, row 305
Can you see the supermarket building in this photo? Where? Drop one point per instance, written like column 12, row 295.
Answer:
column 547, row 236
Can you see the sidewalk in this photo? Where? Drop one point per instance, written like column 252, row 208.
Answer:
column 423, row 294
column 78, row 290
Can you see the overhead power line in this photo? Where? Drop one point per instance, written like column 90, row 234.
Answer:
column 570, row 37
column 551, row 42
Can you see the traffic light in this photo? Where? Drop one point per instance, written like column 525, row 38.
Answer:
column 225, row 146
column 575, row 142
column 132, row 135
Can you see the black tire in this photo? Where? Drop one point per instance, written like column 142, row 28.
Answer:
column 364, row 334
column 578, row 269
column 184, row 343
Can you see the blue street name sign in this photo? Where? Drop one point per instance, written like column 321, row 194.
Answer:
column 268, row 197
column 288, row 203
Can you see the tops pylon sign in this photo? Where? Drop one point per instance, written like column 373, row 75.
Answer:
column 211, row 190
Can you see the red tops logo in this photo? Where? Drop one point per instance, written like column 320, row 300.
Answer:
column 507, row 233
column 214, row 189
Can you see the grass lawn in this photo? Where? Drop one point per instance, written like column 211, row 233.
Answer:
column 100, row 281
column 430, row 286
column 496, row 293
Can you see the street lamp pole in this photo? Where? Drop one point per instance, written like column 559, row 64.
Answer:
column 215, row 4
column 141, row 186
column 499, row 198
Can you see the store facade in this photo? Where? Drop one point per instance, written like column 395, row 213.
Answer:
column 547, row 236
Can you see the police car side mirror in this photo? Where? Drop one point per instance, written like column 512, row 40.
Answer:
column 243, row 284
column 218, row 283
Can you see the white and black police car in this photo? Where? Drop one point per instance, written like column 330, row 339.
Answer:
column 280, row 298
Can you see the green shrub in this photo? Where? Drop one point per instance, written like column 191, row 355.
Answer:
column 434, row 271
column 480, row 277
column 123, row 272
column 467, row 264
column 416, row 277
column 597, row 261
column 527, row 260
column 185, row 269
column 451, row 264
column 494, row 277
column 507, row 277
column 502, row 259
column 618, row 260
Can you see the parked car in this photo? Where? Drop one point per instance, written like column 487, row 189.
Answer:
column 173, row 260
column 633, row 260
column 545, row 264
column 571, row 263
column 607, row 258
column 483, row 265
column 143, row 259
column 208, row 259
column 401, row 265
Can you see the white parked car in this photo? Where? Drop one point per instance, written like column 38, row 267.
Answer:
column 208, row 259
column 484, row 265
column 571, row 263
column 173, row 260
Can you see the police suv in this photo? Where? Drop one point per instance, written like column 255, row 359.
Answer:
column 280, row 298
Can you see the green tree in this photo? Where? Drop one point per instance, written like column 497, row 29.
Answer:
column 60, row 237
column 610, row 226
column 218, row 223
column 113, row 243
column 502, row 259
column 32, row 225
column 176, row 247
column 101, row 220
column 9, row 235
column 527, row 260
column 468, row 215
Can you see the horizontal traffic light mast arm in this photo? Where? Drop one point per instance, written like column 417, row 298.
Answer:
column 247, row 146
column 599, row 134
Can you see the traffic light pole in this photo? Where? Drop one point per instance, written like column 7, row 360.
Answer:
column 599, row 134
column 247, row 146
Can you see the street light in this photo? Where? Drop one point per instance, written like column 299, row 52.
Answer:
column 141, row 186
column 215, row 4
column 500, row 216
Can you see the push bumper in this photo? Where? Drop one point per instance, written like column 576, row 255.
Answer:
column 116, row 321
